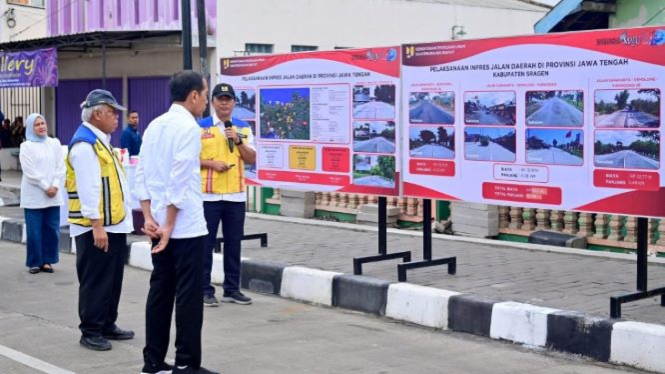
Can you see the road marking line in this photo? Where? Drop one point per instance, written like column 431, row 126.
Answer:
column 32, row 362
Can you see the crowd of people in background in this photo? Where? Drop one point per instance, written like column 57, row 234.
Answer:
column 12, row 134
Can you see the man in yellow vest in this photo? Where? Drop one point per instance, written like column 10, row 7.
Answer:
column 227, row 144
column 100, row 218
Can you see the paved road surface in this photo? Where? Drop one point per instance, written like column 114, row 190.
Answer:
column 433, row 151
column 243, row 113
column 627, row 119
column 38, row 318
column 491, row 152
column 426, row 112
column 482, row 118
column 626, row 160
column 374, row 180
column 556, row 112
column 554, row 156
column 376, row 145
column 374, row 110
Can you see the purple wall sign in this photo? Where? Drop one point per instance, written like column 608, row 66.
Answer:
column 122, row 15
column 29, row 69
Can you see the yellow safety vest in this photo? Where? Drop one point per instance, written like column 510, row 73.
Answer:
column 215, row 146
column 111, row 202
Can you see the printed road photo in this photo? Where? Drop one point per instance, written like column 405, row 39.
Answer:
column 374, row 137
column 432, row 108
column 489, row 144
column 627, row 149
column 489, row 108
column 432, row 142
column 374, row 101
column 245, row 102
column 555, row 147
column 555, row 108
column 373, row 170
column 628, row 108
column 284, row 113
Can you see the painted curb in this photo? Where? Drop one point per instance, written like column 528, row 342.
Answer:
column 470, row 313
column 311, row 285
column 421, row 305
column 363, row 294
column 261, row 276
column 635, row 344
column 139, row 255
column 520, row 323
column 581, row 334
column 639, row 344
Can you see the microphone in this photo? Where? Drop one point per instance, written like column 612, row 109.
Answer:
column 228, row 124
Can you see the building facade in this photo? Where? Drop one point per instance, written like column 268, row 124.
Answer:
column 300, row 25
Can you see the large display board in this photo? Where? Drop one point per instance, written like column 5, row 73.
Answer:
column 563, row 121
column 323, row 121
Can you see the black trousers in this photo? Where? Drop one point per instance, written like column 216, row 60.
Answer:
column 100, row 282
column 232, row 216
column 176, row 277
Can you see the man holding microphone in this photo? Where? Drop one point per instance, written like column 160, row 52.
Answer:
column 226, row 145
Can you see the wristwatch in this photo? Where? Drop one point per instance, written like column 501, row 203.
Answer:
column 240, row 142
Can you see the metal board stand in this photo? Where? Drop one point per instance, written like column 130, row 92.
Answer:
column 642, row 274
column 427, row 249
column 263, row 237
column 383, row 243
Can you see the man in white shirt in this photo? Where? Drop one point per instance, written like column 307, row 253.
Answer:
column 227, row 144
column 100, row 218
column 168, row 185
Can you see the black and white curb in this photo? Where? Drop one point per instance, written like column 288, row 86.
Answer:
column 636, row 344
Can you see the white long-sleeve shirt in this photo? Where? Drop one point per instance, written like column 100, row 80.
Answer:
column 43, row 165
column 169, row 171
column 83, row 159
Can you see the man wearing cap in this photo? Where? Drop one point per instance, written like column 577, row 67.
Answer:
column 226, row 145
column 100, row 218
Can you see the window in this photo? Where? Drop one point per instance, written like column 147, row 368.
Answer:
column 303, row 48
column 35, row 3
column 343, row 47
column 258, row 48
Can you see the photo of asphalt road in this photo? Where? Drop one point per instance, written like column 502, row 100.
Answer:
column 627, row 108
column 482, row 117
column 376, row 145
column 626, row 160
column 433, row 151
column 374, row 110
column 490, row 152
column 555, row 112
column 627, row 119
column 553, row 156
column 430, row 113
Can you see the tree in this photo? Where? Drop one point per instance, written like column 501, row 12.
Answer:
column 427, row 136
column 651, row 91
column 622, row 99
column 442, row 134
column 244, row 99
column 387, row 167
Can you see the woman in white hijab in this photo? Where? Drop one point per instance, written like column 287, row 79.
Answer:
column 42, row 161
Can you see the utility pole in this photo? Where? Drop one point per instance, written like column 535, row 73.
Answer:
column 203, row 45
column 186, row 35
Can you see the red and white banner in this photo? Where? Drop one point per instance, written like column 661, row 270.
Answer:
column 563, row 121
column 323, row 121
